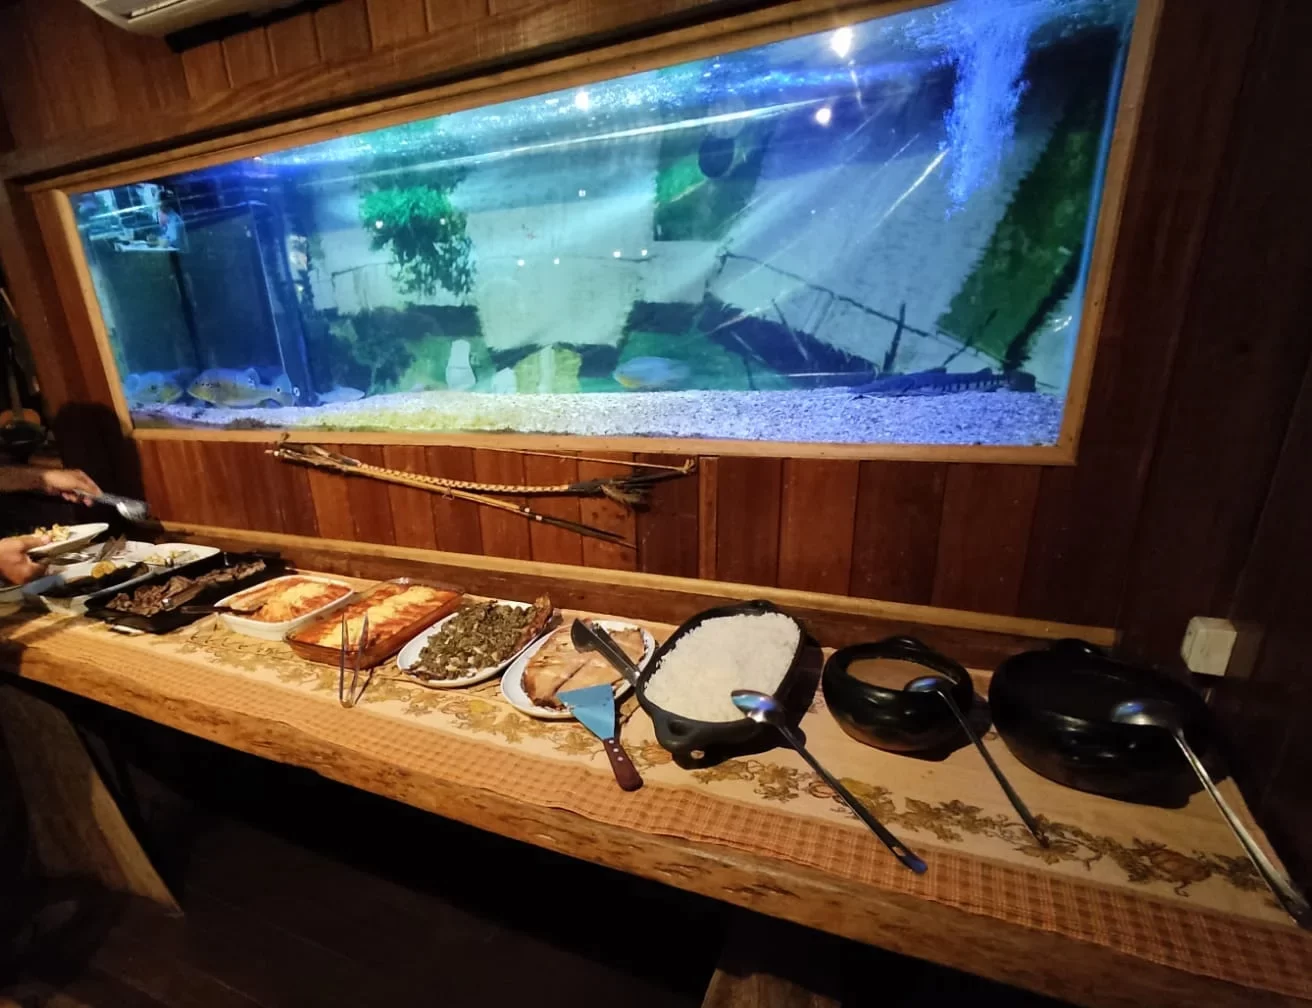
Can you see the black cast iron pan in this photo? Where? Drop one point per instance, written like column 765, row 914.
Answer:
column 1053, row 709
column 694, row 742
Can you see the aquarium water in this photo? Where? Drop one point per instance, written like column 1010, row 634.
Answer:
column 875, row 234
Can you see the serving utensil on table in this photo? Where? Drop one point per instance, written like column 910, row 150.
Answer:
column 590, row 637
column 943, row 687
column 349, row 697
column 594, row 706
column 764, row 709
column 1163, row 716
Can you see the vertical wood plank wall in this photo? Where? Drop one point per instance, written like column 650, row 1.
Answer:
column 1047, row 542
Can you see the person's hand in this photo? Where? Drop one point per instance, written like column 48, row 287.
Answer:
column 15, row 565
column 71, row 484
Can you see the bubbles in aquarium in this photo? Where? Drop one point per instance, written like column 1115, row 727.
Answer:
column 874, row 234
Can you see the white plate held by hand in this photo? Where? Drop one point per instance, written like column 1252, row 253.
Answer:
column 409, row 656
column 512, row 683
column 78, row 535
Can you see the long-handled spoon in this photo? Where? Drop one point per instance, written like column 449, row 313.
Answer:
column 763, row 708
column 943, row 687
column 1160, row 714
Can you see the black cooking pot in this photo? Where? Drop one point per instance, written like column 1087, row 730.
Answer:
column 890, row 718
column 1053, row 709
column 698, row 743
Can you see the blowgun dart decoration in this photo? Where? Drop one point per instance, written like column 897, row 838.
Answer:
column 630, row 490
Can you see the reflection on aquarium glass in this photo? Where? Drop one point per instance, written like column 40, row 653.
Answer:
column 876, row 234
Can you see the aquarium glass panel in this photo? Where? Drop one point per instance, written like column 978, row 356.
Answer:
column 875, row 234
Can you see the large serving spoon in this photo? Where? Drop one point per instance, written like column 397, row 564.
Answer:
column 943, row 687
column 1160, row 714
column 764, row 709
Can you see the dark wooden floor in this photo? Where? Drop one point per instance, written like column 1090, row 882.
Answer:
column 300, row 893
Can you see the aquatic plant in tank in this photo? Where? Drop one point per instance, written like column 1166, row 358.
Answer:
column 879, row 233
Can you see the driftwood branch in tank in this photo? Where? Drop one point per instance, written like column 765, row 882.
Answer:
column 628, row 490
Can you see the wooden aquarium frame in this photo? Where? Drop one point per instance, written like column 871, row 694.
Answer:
column 53, row 208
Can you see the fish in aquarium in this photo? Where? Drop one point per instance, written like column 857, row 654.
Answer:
column 939, row 381
column 340, row 394
column 651, row 373
column 151, row 388
column 241, row 388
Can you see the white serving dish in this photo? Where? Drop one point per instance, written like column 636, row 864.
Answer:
column 78, row 535
column 409, row 656
column 512, row 683
column 154, row 553
column 277, row 631
column 133, row 552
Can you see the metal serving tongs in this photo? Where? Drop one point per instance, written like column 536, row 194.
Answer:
column 349, row 697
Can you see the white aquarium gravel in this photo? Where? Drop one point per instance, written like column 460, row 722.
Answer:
column 814, row 415
column 746, row 651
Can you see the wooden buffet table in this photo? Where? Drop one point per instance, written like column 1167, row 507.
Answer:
column 1130, row 906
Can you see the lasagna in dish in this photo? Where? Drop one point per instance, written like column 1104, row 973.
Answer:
column 391, row 608
column 288, row 599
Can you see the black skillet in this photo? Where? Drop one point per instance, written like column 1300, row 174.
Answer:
column 694, row 742
column 1053, row 709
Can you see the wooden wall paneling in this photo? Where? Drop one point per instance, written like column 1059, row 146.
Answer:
column 899, row 510
column 262, row 485
column 502, row 534
column 816, row 522
column 294, row 44
column 289, row 487
column 227, row 482
column 394, row 21
column 456, row 522
column 987, row 511
column 603, row 513
column 447, row 13
column 206, row 71
column 749, row 498
column 29, row 115
column 128, row 75
column 412, row 509
column 248, row 57
column 80, row 90
column 331, row 499
column 154, row 483
column 708, row 515
column 1085, row 517
column 1238, row 371
column 342, row 29
column 553, row 545
column 31, row 286
column 668, row 542
column 1264, row 702
column 371, row 508
column 193, row 487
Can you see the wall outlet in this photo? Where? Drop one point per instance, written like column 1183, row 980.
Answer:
column 1208, row 644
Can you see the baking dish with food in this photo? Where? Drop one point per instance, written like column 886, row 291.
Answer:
column 693, row 742
column 314, row 641
column 185, row 610
column 253, row 625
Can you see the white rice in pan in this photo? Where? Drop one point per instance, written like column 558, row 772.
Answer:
column 695, row 678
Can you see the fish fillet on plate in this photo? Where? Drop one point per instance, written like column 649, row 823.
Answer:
column 551, row 666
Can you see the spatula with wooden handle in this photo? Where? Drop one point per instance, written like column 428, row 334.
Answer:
column 594, row 706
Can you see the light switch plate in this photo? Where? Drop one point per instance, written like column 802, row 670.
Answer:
column 1208, row 644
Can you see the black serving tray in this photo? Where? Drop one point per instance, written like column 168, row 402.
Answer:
column 698, row 742
column 164, row 622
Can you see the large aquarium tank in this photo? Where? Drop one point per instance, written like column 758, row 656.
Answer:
column 876, row 234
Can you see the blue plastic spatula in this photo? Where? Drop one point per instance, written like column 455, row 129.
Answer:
column 594, row 706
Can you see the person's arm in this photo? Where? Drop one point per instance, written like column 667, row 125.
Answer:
column 16, row 566
column 71, row 484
